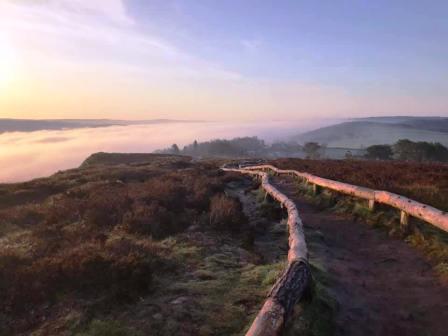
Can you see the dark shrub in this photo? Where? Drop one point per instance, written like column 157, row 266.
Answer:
column 9, row 265
column 167, row 191
column 152, row 219
column 380, row 152
column 119, row 270
column 226, row 213
column 107, row 205
column 121, row 266
column 64, row 209
column 29, row 215
column 200, row 194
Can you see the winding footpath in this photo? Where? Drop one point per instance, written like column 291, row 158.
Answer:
column 382, row 285
column 294, row 281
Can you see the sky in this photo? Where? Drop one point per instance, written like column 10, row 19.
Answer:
column 230, row 60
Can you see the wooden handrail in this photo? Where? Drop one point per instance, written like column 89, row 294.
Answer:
column 294, row 281
column 408, row 206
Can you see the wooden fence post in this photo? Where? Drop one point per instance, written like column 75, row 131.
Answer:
column 404, row 219
column 412, row 208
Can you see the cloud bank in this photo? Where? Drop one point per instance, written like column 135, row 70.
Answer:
column 41, row 153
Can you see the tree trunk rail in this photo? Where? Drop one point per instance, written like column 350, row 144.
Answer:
column 294, row 281
column 408, row 206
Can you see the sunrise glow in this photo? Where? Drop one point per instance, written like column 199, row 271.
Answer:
column 100, row 59
column 7, row 64
column 223, row 167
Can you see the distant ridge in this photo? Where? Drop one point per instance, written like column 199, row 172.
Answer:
column 439, row 124
column 379, row 130
column 31, row 125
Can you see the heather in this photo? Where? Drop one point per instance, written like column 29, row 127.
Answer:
column 128, row 241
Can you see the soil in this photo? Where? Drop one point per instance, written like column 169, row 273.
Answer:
column 383, row 286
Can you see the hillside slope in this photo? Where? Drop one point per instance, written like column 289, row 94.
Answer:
column 356, row 134
column 135, row 244
column 439, row 124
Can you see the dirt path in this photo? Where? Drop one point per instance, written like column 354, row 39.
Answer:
column 383, row 286
column 270, row 238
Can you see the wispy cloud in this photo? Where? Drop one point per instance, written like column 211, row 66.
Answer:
column 100, row 31
column 251, row 44
column 113, row 10
column 92, row 58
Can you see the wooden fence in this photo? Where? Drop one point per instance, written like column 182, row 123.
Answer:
column 294, row 281
column 407, row 206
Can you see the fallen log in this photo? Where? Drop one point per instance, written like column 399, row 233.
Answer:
column 294, row 281
column 288, row 289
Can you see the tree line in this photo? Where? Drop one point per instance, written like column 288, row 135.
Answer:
column 245, row 146
column 408, row 150
column 404, row 149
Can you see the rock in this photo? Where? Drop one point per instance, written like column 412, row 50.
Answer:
column 157, row 316
column 179, row 300
column 193, row 228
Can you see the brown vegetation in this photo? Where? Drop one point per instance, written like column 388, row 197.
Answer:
column 426, row 183
column 92, row 237
column 225, row 213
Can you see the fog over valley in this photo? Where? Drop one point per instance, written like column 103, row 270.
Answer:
column 26, row 155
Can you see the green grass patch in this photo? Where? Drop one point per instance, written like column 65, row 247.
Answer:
column 315, row 315
column 107, row 328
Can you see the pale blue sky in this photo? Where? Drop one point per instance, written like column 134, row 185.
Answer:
column 397, row 43
column 225, row 59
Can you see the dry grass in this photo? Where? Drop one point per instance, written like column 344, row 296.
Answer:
column 92, row 238
column 226, row 213
column 426, row 183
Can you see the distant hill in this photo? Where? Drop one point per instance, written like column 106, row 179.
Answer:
column 382, row 130
column 30, row 125
column 438, row 124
